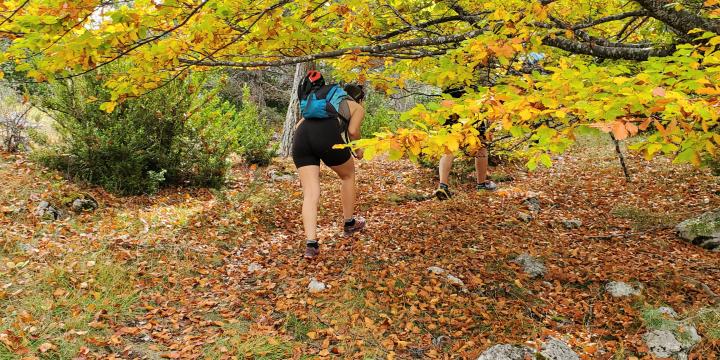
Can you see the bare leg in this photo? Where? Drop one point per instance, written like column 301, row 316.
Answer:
column 444, row 168
column 481, row 165
column 346, row 172
column 310, row 180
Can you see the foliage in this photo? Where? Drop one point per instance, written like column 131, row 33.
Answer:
column 172, row 136
column 379, row 116
column 625, row 68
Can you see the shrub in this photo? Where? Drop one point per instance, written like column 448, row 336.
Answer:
column 170, row 136
column 14, row 122
column 379, row 117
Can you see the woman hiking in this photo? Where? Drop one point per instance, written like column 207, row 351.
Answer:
column 331, row 115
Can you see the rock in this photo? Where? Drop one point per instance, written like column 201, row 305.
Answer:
column 436, row 270
column 525, row 217
column 276, row 176
column 666, row 344
column 84, row 204
column 667, row 311
column 572, row 224
column 703, row 230
column 554, row 349
column 315, row 286
column 47, row 211
column 455, row 281
column 506, row 352
column 254, row 267
column 533, row 203
column 531, row 266
column 621, row 289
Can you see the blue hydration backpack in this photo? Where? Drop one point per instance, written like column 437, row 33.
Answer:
column 323, row 103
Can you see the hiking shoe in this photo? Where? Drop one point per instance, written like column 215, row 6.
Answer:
column 359, row 224
column 443, row 193
column 486, row 186
column 311, row 252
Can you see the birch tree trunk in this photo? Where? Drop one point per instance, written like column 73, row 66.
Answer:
column 293, row 112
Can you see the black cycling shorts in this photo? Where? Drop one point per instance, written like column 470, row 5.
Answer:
column 314, row 141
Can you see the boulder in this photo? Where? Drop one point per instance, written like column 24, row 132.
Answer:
column 703, row 230
column 532, row 266
column 507, row 352
column 667, row 344
column 621, row 289
column 554, row 349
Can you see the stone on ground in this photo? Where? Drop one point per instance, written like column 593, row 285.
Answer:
column 315, row 286
column 46, row 211
column 554, row 349
column 525, row 217
column 84, row 204
column 703, row 230
column 532, row 266
column 455, row 281
column 621, row 289
column 506, row 352
column 533, row 203
column 436, row 270
column 572, row 224
column 666, row 344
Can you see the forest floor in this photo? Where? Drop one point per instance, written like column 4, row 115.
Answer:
column 218, row 274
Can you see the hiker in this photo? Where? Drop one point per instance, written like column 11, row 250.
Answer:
column 330, row 115
column 481, row 158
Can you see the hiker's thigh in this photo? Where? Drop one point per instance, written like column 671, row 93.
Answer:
column 345, row 170
column 302, row 151
column 325, row 136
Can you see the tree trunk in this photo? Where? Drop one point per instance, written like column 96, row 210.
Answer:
column 293, row 112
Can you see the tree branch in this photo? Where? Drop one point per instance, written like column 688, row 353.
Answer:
column 426, row 24
column 682, row 20
column 610, row 18
column 358, row 50
column 607, row 52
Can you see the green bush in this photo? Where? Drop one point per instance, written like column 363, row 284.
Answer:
column 379, row 117
column 170, row 136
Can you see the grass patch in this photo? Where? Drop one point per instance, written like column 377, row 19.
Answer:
column 242, row 343
column 65, row 307
column 644, row 219
column 299, row 328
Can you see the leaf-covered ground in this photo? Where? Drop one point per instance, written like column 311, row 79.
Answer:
column 219, row 274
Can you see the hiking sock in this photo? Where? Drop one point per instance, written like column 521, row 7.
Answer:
column 350, row 222
column 312, row 244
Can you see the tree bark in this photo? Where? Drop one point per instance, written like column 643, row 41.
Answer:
column 293, row 113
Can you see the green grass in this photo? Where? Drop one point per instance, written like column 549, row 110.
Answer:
column 58, row 306
column 644, row 219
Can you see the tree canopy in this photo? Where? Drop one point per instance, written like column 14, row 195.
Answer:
column 622, row 66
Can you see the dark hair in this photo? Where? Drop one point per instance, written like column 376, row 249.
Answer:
column 355, row 91
column 307, row 85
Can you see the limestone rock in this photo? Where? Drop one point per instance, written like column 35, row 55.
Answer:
column 84, row 204
column 506, row 352
column 531, row 265
column 703, row 230
column 621, row 289
column 436, row 270
column 533, row 203
column 666, row 344
column 455, row 281
column 47, row 211
column 316, row 286
column 554, row 349
column 572, row 224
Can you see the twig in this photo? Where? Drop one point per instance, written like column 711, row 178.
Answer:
column 621, row 157
column 715, row 298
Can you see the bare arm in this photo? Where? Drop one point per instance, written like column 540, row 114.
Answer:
column 357, row 115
